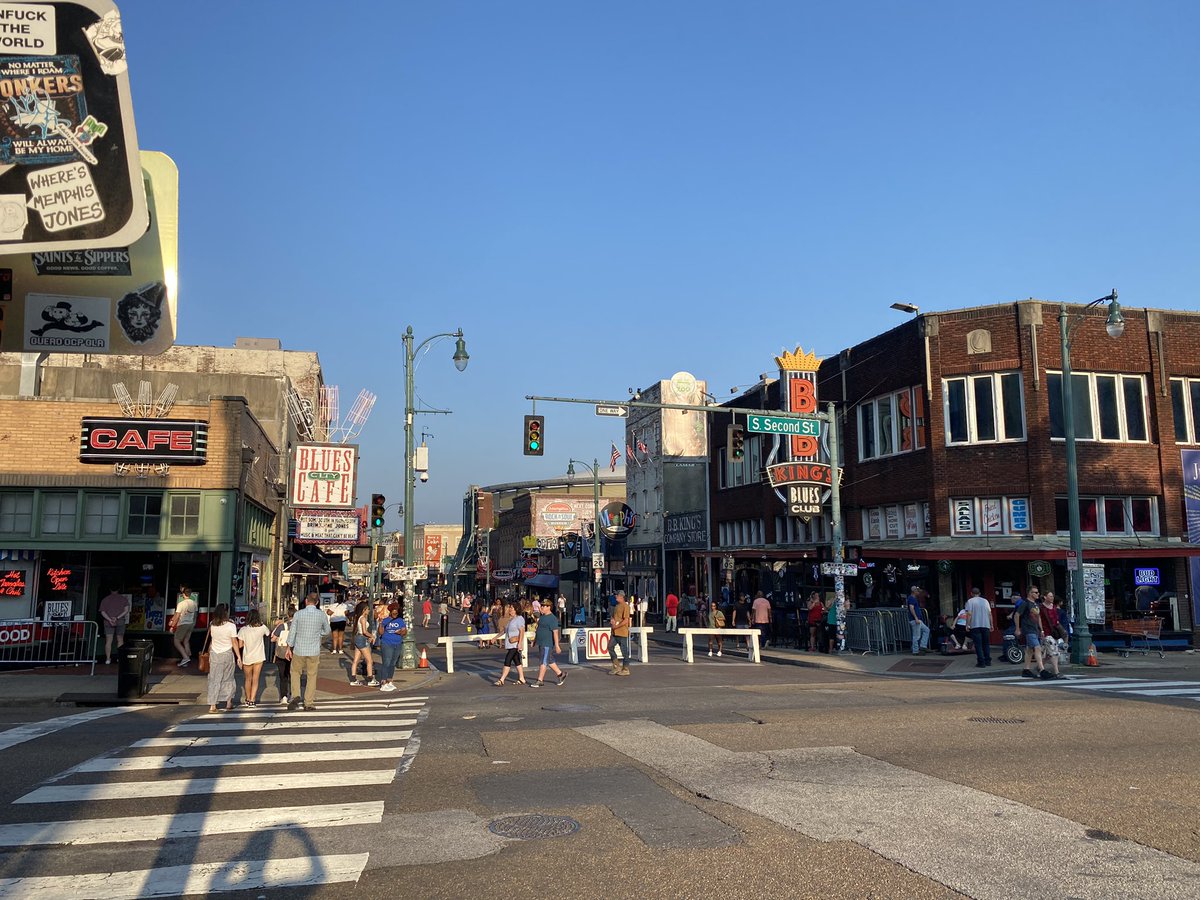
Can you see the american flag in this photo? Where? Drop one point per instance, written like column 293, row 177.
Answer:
column 641, row 445
column 616, row 455
column 629, row 453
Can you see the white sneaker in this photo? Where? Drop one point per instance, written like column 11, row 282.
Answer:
column 373, row 683
column 718, row 653
column 184, row 663
column 710, row 653
column 283, row 701
column 388, row 687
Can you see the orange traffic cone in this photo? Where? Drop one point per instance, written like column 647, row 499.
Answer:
column 1091, row 657
column 423, row 663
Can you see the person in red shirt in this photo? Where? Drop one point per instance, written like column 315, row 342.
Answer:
column 672, row 612
column 816, row 611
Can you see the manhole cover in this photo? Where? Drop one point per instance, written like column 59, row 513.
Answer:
column 533, row 827
column 993, row 720
column 570, row 707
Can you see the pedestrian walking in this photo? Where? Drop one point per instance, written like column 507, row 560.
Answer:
column 426, row 612
column 283, row 666
column 760, row 617
column 979, row 617
column 619, row 621
column 466, row 611
column 364, row 637
column 672, row 623
column 514, row 628
column 392, row 630
column 183, row 623
column 337, row 625
column 225, row 658
column 545, row 639
column 1028, row 632
column 916, row 621
column 716, row 619
column 816, row 611
column 305, row 636
column 252, row 639
column 114, row 611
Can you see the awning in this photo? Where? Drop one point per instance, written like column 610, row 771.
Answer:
column 543, row 580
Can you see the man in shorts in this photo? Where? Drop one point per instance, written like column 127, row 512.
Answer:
column 1028, row 632
column 114, row 613
column 513, row 630
column 546, row 640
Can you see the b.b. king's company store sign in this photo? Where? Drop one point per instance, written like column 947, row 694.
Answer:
column 178, row 441
column 323, row 476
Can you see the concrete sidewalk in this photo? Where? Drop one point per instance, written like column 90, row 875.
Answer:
column 931, row 664
column 74, row 686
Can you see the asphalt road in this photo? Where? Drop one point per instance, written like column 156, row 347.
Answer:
column 720, row 779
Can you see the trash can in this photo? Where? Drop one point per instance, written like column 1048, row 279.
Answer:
column 133, row 669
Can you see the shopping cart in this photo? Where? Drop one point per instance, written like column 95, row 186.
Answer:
column 1139, row 631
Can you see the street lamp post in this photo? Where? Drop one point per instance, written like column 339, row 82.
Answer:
column 1115, row 326
column 595, row 469
column 460, row 362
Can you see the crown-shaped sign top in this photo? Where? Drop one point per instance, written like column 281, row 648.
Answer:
column 798, row 361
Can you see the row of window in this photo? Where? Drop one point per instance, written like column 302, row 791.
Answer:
column 892, row 424
column 97, row 514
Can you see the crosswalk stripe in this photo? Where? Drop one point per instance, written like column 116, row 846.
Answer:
column 1129, row 685
column 242, row 740
column 133, row 763
column 183, row 825
column 1171, row 692
column 200, row 878
column 1019, row 679
column 316, row 716
column 197, row 787
column 288, row 724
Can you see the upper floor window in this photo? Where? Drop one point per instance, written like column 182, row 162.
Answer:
column 893, row 423
column 984, row 409
column 58, row 513
column 145, row 513
column 16, row 512
column 1105, row 407
column 100, row 513
column 1185, row 402
column 184, row 514
column 1113, row 515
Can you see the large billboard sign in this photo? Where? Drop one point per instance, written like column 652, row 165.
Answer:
column 100, row 300
column 323, row 476
column 70, row 176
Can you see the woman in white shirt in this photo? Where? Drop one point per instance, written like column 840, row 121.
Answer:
column 224, row 659
column 253, row 639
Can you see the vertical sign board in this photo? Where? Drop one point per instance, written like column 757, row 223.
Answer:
column 1191, row 508
column 116, row 299
column 70, row 177
column 323, row 476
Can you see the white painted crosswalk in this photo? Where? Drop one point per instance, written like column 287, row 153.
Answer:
column 1125, row 687
column 295, row 784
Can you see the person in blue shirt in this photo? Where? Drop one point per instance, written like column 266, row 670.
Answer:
column 391, row 638
column 920, row 629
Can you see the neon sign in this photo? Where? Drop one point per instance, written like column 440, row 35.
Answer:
column 58, row 578
column 12, row 583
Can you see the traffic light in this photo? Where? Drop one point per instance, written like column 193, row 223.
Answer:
column 377, row 504
column 534, row 445
column 735, row 441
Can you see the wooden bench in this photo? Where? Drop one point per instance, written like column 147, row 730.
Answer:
column 751, row 633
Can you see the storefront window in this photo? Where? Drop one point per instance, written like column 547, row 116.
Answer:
column 100, row 513
column 16, row 590
column 145, row 513
column 185, row 515
column 62, row 576
column 58, row 513
column 16, row 513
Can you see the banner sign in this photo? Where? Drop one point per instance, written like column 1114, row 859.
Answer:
column 685, row 531
column 433, row 551
column 70, row 176
column 1191, row 509
column 331, row 526
column 323, row 476
column 177, row 441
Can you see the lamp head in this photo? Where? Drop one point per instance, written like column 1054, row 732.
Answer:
column 906, row 308
column 1115, row 325
column 460, row 353
column 571, row 468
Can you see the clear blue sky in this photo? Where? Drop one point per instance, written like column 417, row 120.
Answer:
column 602, row 194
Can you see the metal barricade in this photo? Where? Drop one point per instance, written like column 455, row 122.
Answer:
column 27, row 642
column 864, row 631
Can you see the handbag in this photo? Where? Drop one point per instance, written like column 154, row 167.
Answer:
column 203, row 658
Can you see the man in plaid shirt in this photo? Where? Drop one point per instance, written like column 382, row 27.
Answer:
column 308, row 630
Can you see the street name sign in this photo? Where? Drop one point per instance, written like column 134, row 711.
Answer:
column 781, row 425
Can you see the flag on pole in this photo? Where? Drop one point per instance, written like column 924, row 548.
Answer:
column 641, row 445
column 616, row 455
column 630, row 454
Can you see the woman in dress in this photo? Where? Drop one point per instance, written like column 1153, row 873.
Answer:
column 225, row 658
column 364, row 637
column 252, row 637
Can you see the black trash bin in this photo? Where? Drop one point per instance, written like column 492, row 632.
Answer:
column 133, row 669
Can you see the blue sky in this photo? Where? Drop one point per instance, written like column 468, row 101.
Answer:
column 603, row 194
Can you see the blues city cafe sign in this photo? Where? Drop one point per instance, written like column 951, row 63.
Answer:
column 181, row 442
